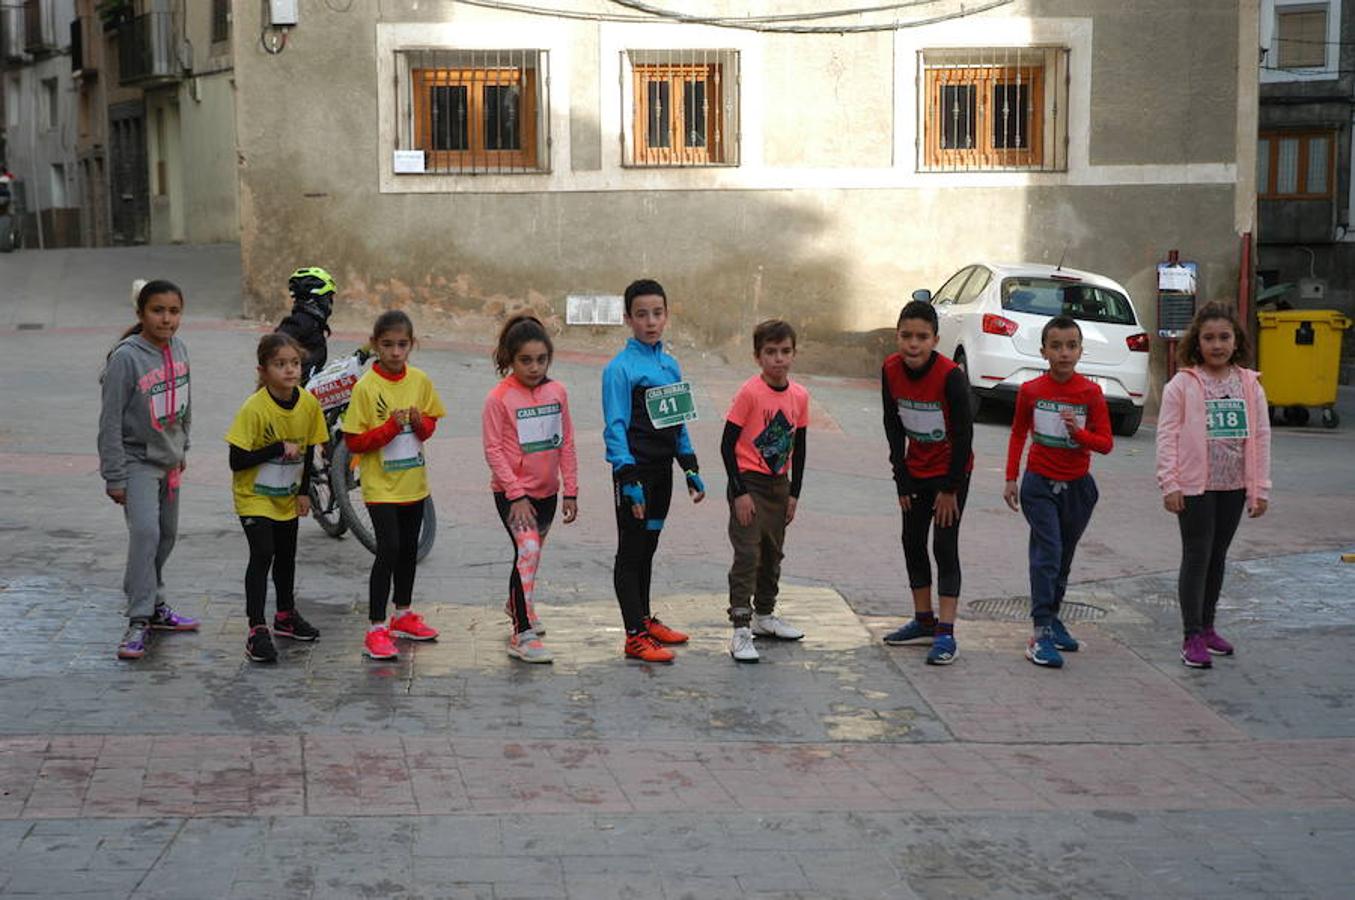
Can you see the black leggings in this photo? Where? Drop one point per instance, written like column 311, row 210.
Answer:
column 1207, row 528
column 917, row 521
column 397, row 527
column 636, row 541
column 272, row 544
column 526, row 555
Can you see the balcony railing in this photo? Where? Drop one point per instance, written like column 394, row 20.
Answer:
column 146, row 49
column 11, row 32
column 39, row 28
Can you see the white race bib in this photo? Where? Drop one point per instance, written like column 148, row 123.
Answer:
column 405, row 451
column 278, row 478
column 540, row 428
column 1048, row 427
column 923, row 420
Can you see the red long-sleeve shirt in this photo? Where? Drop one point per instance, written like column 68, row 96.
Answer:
column 1054, row 453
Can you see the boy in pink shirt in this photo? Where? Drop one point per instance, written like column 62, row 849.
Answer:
column 764, row 455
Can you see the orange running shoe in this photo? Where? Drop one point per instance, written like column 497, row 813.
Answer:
column 378, row 645
column 662, row 633
column 643, row 647
column 411, row 626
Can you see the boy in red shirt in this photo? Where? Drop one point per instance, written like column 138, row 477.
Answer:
column 929, row 422
column 1067, row 417
column 763, row 449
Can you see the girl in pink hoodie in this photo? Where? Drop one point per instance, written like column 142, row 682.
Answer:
column 1213, row 460
column 529, row 445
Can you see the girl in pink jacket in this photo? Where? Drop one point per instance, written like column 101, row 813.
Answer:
column 1213, row 459
column 529, row 445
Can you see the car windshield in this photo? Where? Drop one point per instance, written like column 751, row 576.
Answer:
column 1055, row 297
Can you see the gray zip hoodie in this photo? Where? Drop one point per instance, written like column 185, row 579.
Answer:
column 146, row 410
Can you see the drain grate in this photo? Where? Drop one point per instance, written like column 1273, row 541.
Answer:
column 29, row 326
column 1017, row 609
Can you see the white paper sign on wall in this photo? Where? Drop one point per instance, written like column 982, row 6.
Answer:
column 594, row 309
column 409, row 162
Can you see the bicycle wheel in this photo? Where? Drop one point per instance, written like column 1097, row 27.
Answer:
column 324, row 506
column 429, row 531
column 347, row 488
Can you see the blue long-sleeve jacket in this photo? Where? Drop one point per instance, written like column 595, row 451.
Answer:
column 631, row 440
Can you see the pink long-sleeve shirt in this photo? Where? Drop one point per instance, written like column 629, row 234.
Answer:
column 1183, row 443
column 529, row 440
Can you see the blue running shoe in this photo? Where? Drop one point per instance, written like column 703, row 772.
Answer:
column 912, row 632
column 1041, row 650
column 1062, row 639
column 943, row 651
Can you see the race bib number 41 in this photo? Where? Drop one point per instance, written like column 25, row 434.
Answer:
column 670, row 405
column 1225, row 419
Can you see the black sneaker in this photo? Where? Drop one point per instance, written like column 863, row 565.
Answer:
column 291, row 625
column 259, row 645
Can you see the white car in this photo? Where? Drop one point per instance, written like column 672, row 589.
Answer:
column 990, row 320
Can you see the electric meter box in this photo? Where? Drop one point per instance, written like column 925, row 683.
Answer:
column 282, row 12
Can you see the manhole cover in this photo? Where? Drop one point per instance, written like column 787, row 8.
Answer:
column 1018, row 609
column 29, row 326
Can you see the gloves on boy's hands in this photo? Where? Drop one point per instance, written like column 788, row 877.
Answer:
column 694, row 483
column 634, row 493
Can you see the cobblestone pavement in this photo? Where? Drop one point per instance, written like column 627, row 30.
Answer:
column 837, row 767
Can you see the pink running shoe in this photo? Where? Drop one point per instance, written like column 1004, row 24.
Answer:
column 1214, row 643
column 1195, row 654
column 379, row 645
column 411, row 626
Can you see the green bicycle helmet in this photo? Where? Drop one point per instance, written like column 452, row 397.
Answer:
column 311, row 281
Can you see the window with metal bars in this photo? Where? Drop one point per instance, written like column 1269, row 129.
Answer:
column 476, row 111
column 993, row 109
column 683, row 108
column 221, row 21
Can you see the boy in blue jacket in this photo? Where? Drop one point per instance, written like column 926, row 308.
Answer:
column 645, row 408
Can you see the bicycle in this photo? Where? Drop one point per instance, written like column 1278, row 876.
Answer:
column 336, row 486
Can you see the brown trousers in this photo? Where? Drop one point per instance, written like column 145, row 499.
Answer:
column 756, row 572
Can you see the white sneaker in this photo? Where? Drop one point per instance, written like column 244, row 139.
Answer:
column 741, row 645
column 528, row 648
column 774, row 626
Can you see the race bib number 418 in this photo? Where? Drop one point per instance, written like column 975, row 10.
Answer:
column 1225, row 419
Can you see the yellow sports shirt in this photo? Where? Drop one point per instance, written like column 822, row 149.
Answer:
column 269, row 489
column 395, row 473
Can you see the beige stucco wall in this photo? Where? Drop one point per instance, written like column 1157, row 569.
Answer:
column 825, row 221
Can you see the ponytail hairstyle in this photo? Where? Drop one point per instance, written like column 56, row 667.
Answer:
column 143, row 296
column 518, row 330
column 270, row 345
column 392, row 320
column 1188, row 351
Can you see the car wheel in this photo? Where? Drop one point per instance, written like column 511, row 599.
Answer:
column 975, row 401
column 1127, row 424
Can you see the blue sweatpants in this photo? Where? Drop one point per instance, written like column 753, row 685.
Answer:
column 1058, row 513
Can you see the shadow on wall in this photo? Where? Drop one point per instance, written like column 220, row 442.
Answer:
column 727, row 259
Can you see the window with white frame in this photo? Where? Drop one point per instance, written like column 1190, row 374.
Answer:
column 475, row 111
column 1300, row 40
column 1296, row 165
column 993, row 109
column 681, row 107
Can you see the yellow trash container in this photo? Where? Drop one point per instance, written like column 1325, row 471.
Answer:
column 1300, row 358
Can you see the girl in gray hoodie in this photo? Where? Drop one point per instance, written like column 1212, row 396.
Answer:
column 143, row 442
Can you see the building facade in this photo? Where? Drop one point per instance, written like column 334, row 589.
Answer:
column 462, row 158
column 40, row 117
column 1305, row 154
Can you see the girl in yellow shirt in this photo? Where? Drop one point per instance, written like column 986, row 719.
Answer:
column 270, row 442
column 393, row 410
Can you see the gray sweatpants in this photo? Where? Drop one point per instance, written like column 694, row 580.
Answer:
column 152, row 526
